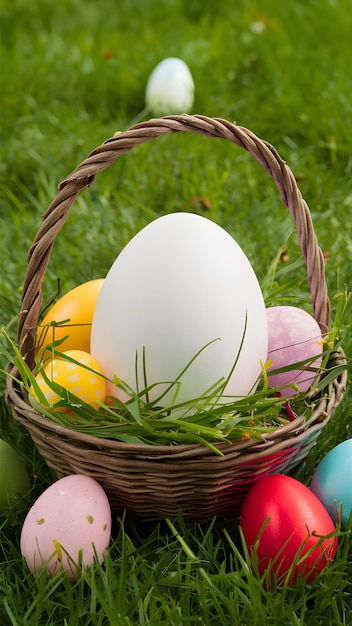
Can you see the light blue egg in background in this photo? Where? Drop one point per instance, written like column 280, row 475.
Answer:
column 332, row 481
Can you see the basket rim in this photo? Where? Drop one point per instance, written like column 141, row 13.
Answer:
column 107, row 153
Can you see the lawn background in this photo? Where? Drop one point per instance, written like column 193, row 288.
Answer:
column 72, row 73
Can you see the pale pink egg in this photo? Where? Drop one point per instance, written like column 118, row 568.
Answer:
column 293, row 336
column 67, row 527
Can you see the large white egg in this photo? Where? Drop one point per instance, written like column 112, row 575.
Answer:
column 179, row 284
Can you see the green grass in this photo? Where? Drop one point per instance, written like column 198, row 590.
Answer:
column 74, row 72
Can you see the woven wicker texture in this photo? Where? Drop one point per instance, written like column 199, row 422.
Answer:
column 155, row 481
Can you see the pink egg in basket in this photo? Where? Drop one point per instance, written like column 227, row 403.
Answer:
column 293, row 336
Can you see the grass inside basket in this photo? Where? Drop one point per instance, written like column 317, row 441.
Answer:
column 208, row 419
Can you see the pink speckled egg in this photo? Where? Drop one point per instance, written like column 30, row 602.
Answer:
column 293, row 336
column 67, row 525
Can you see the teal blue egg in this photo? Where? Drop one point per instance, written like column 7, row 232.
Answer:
column 332, row 481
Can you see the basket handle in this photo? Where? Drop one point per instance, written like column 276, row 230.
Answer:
column 106, row 154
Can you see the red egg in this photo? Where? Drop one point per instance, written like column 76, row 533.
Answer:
column 285, row 524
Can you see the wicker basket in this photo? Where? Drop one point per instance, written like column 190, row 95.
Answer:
column 151, row 481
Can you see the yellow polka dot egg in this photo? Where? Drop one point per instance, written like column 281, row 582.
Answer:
column 76, row 372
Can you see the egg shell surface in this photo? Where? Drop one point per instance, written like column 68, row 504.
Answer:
column 14, row 478
column 74, row 313
column 73, row 377
column 332, row 481
column 294, row 514
column 293, row 336
column 71, row 515
column 181, row 283
column 170, row 88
